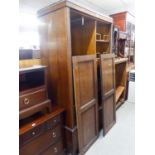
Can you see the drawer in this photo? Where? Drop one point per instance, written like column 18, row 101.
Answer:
column 56, row 149
column 53, row 122
column 42, row 142
column 36, row 131
column 33, row 98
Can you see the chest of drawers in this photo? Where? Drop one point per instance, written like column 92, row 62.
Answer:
column 43, row 135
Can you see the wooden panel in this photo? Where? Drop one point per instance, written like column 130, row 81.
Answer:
column 83, row 37
column 56, row 54
column 85, row 90
column 109, row 113
column 86, row 84
column 108, row 91
column 107, row 73
column 88, row 125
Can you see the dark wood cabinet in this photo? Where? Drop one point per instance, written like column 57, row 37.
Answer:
column 107, row 69
column 85, row 90
column 42, row 134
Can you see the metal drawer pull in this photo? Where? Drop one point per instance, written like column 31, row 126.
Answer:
column 54, row 135
column 55, row 150
column 26, row 101
column 33, row 124
column 33, row 133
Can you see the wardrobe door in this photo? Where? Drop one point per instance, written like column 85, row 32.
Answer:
column 85, row 94
column 108, row 91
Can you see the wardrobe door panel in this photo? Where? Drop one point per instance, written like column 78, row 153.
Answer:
column 108, row 91
column 109, row 113
column 85, row 93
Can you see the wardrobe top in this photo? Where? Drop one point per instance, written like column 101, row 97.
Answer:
column 75, row 6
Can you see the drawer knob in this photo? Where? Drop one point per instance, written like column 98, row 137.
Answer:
column 55, row 150
column 33, row 133
column 26, row 101
column 54, row 134
column 33, row 124
column 55, row 120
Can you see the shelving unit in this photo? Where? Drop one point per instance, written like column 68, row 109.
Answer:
column 82, row 34
column 120, row 80
column 103, row 36
column 119, row 91
column 125, row 22
column 80, row 37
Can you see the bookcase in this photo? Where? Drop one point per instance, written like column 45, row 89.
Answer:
column 120, row 80
column 75, row 44
column 103, row 38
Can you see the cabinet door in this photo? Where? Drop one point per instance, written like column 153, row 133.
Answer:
column 85, row 93
column 108, row 91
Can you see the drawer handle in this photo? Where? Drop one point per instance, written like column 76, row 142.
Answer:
column 54, row 134
column 55, row 120
column 33, row 133
column 26, row 101
column 33, row 124
column 55, row 150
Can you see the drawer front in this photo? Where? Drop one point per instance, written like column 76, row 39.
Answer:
column 36, row 131
column 31, row 99
column 53, row 122
column 56, row 149
column 42, row 142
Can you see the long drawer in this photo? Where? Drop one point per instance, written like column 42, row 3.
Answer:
column 31, row 134
column 42, row 142
column 32, row 98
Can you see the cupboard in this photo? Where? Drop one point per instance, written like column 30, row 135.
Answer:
column 73, row 42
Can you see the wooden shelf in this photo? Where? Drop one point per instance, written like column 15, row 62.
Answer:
column 120, row 60
column 102, row 41
column 119, row 91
